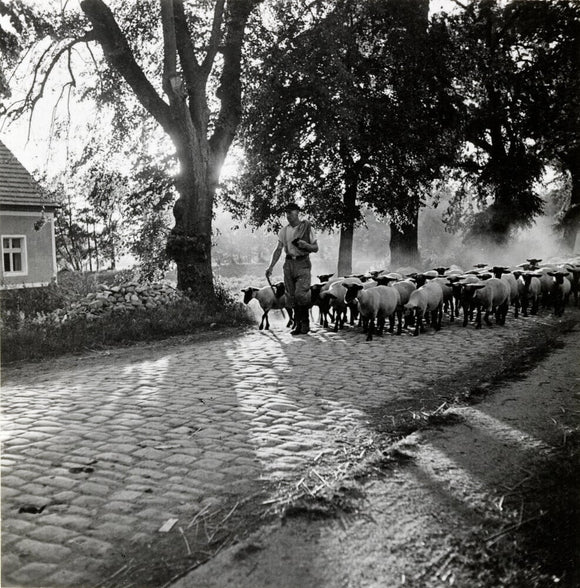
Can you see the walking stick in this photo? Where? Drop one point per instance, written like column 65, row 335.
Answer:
column 274, row 290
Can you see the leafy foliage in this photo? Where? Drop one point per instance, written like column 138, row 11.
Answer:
column 506, row 61
column 342, row 103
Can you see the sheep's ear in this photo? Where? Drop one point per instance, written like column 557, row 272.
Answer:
column 359, row 286
column 477, row 286
column 551, row 274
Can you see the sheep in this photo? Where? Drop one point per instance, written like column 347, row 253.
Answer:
column 268, row 300
column 561, row 289
column 426, row 299
column 531, row 291
column 403, row 287
column 491, row 295
column 448, row 300
column 317, row 298
column 377, row 303
column 547, row 283
column 505, row 274
column 441, row 270
column 462, row 298
column 336, row 293
column 574, row 278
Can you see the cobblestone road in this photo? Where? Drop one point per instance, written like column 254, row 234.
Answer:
column 110, row 447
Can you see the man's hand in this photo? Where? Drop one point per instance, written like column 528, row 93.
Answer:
column 301, row 244
column 268, row 272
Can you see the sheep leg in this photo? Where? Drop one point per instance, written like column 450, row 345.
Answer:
column 478, row 318
column 371, row 329
column 380, row 325
column 486, row 317
column 418, row 322
column 267, row 328
column 400, row 321
column 452, row 313
column 465, row 314
column 436, row 318
column 262, row 322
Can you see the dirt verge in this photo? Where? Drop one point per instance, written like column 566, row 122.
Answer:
column 478, row 494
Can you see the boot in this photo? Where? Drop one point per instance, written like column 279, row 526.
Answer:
column 302, row 323
column 297, row 321
column 305, row 324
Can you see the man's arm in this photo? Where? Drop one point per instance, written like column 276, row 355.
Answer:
column 310, row 247
column 275, row 257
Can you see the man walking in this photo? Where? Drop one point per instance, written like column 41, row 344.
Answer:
column 297, row 239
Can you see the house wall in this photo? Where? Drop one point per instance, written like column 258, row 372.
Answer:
column 40, row 250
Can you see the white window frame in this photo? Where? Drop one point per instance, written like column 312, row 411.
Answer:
column 23, row 253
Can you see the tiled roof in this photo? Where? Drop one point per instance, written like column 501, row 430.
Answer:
column 17, row 186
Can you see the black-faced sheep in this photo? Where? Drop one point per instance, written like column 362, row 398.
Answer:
column 426, row 299
column 378, row 303
column 268, row 298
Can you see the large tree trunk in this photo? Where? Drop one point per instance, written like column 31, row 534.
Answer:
column 189, row 242
column 405, row 244
column 345, row 250
column 186, row 117
column 571, row 219
column 347, row 228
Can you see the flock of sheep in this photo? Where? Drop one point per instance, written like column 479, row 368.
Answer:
column 414, row 298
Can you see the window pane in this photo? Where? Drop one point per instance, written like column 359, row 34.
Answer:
column 16, row 243
column 7, row 262
column 6, row 243
column 17, row 261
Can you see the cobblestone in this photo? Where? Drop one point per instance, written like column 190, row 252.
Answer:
column 171, row 430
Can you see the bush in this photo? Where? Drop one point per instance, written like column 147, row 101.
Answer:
column 71, row 316
column 47, row 336
column 30, row 301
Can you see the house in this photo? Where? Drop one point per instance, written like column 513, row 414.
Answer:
column 26, row 227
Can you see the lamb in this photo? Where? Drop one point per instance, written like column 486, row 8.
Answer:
column 375, row 303
column 426, row 299
column 269, row 299
column 560, row 291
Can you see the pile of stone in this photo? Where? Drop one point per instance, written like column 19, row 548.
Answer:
column 126, row 297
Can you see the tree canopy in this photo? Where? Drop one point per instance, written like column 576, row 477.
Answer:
column 344, row 114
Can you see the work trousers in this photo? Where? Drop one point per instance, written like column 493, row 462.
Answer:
column 297, row 276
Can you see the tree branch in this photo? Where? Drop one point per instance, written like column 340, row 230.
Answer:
column 195, row 78
column 230, row 90
column 215, row 38
column 171, row 82
column 121, row 58
column 185, row 46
